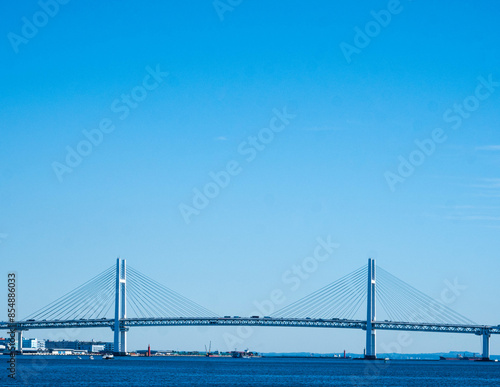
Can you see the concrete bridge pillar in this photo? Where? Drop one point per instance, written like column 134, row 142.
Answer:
column 486, row 344
column 20, row 341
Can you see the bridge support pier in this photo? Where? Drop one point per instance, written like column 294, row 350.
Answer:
column 20, row 341
column 371, row 351
column 120, row 331
column 486, row 345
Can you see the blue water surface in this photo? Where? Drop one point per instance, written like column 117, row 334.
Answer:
column 192, row 371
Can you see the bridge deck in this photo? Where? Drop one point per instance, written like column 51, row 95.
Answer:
column 262, row 321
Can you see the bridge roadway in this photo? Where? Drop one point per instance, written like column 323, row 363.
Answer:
column 261, row 321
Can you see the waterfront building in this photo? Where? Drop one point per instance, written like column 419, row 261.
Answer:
column 29, row 344
column 76, row 345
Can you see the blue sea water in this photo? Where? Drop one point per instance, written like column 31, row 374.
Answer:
column 195, row 371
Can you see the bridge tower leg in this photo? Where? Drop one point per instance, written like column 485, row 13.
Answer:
column 371, row 352
column 120, row 332
column 486, row 345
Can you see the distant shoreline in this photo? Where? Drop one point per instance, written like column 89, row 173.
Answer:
column 493, row 359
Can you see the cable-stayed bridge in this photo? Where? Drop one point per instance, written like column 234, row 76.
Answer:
column 122, row 297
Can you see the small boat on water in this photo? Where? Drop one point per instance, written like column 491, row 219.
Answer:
column 91, row 357
column 108, row 356
column 462, row 357
column 209, row 353
column 246, row 354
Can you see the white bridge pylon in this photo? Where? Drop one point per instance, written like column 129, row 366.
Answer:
column 120, row 330
column 371, row 350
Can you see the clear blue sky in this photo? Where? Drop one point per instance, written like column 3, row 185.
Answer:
column 325, row 174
